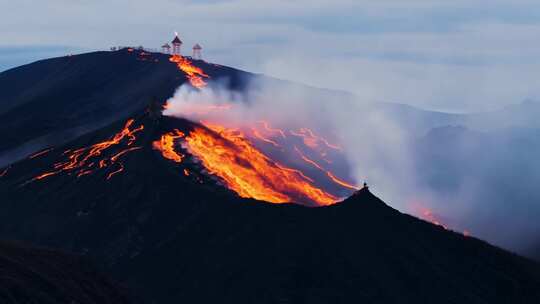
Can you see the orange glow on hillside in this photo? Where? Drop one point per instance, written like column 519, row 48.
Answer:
column 341, row 182
column 258, row 135
column 37, row 154
column 45, row 175
column 311, row 140
column 4, row 172
column 80, row 161
column 428, row 215
column 166, row 145
column 120, row 169
column 230, row 153
column 267, row 127
column 328, row 173
column 166, row 105
column 117, row 155
column 193, row 73
column 249, row 172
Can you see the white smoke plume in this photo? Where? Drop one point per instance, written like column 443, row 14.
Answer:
column 368, row 137
column 401, row 152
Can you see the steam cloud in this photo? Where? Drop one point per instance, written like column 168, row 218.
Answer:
column 415, row 163
column 368, row 136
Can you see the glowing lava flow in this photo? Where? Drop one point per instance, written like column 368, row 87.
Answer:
column 120, row 169
column 232, row 154
column 249, row 172
column 258, row 135
column 80, row 160
column 427, row 215
column 166, row 145
column 117, row 155
column 4, row 172
column 328, row 173
column 430, row 217
column 45, row 175
column 311, row 140
column 37, row 154
column 267, row 127
column 194, row 74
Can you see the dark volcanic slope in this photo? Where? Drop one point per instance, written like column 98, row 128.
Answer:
column 53, row 100
column 181, row 238
column 30, row 275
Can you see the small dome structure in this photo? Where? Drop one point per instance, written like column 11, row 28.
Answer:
column 197, row 52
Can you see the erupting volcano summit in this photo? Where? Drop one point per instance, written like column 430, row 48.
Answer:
column 204, row 205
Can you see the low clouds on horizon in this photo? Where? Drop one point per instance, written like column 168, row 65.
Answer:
column 453, row 56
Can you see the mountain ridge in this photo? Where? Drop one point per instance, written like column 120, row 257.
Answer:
column 172, row 237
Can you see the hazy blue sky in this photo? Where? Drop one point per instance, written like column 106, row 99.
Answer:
column 450, row 55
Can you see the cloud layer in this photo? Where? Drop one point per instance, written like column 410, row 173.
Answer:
column 456, row 56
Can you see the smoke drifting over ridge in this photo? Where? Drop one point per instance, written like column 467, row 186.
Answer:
column 366, row 136
column 414, row 163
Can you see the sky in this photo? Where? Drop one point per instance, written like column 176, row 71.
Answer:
column 456, row 56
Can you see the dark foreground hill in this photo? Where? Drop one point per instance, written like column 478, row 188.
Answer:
column 183, row 238
column 31, row 275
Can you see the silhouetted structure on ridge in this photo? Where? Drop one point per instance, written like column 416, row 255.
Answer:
column 176, row 45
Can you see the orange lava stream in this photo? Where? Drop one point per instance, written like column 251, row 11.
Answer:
column 311, row 140
column 166, row 105
column 194, row 74
column 258, row 135
column 307, row 160
column 166, row 145
column 80, row 159
column 249, row 172
column 117, row 155
column 308, row 141
column 84, row 172
column 41, row 176
column 4, row 172
column 77, row 158
column 120, row 169
column 267, row 127
column 231, row 156
column 341, row 182
column 428, row 216
column 328, row 173
column 39, row 153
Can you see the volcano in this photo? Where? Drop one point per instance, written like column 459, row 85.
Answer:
column 52, row 101
column 135, row 195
